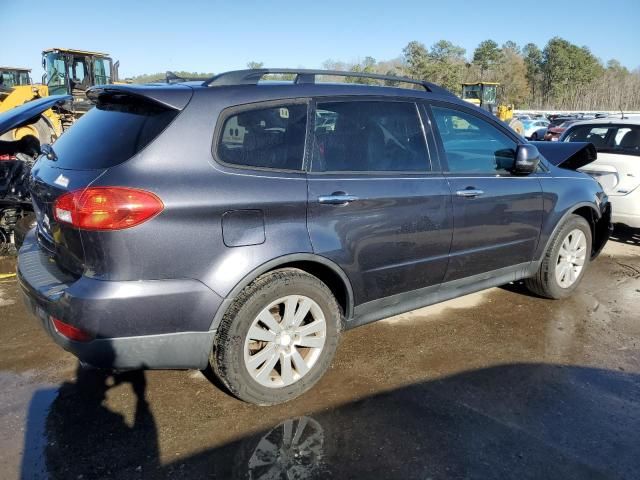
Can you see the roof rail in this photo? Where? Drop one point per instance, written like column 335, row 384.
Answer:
column 253, row 76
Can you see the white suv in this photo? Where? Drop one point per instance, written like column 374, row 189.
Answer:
column 618, row 165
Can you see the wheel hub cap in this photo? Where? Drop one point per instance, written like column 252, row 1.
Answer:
column 571, row 258
column 284, row 341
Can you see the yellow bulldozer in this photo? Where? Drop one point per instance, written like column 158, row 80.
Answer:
column 67, row 72
column 485, row 96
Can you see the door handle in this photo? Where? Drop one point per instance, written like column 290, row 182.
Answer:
column 337, row 198
column 471, row 193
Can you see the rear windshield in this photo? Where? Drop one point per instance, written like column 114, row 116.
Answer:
column 623, row 139
column 111, row 133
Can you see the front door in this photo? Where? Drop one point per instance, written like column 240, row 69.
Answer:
column 376, row 205
column 497, row 215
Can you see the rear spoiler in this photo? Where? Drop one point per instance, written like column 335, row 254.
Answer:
column 175, row 97
column 569, row 155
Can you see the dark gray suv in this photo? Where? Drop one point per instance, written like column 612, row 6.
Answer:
column 244, row 223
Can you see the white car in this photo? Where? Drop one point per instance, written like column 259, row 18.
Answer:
column 535, row 129
column 617, row 168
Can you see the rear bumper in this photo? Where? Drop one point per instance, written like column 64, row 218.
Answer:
column 626, row 208
column 135, row 324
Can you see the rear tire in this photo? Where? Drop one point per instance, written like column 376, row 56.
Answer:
column 565, row 261
column 278, row 337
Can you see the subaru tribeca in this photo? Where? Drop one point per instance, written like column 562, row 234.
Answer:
column 245, row 223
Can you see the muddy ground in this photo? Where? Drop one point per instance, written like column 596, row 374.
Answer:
column 498, row 384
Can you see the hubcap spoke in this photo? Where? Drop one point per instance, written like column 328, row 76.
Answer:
column 302, row 311
column 576, row 240
column 266, row 318
column 288, row 434
column 263, row 355
column 312, row 342
column 298, row 362
column 259, row 333
column 286, row 368
column 302, row 424
column 289, row 311
column 311, row 328
column 265, row 370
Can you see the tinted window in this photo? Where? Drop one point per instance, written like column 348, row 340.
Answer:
column 472, row 144
column 624, row 139
column 111, row 133
column 368, row 137
column 270, row 137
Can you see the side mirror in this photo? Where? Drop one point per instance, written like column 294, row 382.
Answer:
column 527, row 160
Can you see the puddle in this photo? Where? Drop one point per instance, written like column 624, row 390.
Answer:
column 24, row 406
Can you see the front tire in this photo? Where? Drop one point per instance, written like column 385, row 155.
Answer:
column 278, row 337
column 565, row 260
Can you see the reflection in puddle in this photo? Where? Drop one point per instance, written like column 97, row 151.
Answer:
column 293, row 450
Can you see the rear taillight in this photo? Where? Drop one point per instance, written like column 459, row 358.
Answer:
column 6, row 158
column 69, row 331
column 106, row 208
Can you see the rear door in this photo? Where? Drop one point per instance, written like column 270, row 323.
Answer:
column 497, row 215
column 377, row 205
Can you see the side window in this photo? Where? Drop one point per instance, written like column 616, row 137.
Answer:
column 627, row 140
column 596, row 135
column 473, row 145
column 368, row 136
column 265, row 137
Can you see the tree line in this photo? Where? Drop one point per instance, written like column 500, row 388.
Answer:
column 560, row 76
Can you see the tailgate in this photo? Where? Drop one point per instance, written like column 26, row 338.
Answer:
column 60, row 241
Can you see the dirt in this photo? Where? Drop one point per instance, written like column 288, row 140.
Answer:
column 498, row 384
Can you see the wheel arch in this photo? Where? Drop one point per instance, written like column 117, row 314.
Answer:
column 592, row 215
column 321, row 267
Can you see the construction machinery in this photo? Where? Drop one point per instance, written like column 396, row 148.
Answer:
column 485, row 96
column 67, row 72
column 12, row 76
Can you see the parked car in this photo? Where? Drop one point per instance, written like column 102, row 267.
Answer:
column 618, row 165
column 553, row 132
column 535, row 129
column 220, row 223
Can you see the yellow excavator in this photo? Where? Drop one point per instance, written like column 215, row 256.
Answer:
column 485, row 95
column 12, row 76
column 68, row 72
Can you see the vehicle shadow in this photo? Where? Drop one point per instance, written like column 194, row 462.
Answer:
column 85, row 439
column 508, row 421
column 624, row 234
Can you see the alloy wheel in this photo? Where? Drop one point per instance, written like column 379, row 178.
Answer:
column 571, row 258
column 284, row 341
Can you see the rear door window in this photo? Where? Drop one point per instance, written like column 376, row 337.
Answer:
column 111, row 133
column 264, row 137
column 623, row 139
column 368, row 136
